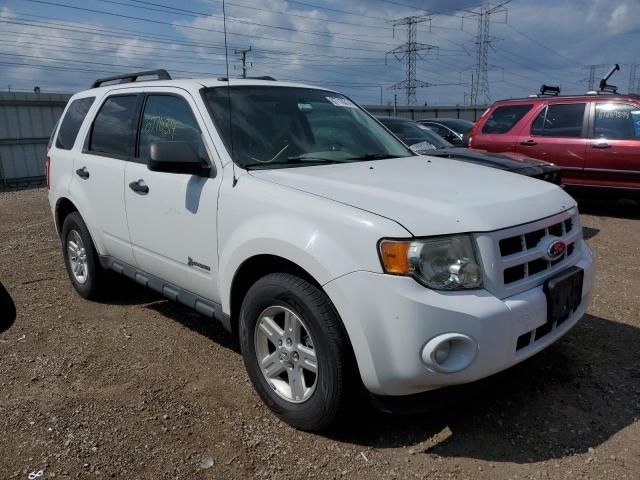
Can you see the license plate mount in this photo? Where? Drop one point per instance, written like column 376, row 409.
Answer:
column 563, row 292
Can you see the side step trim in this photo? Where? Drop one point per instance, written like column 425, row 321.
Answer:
column 196, row 302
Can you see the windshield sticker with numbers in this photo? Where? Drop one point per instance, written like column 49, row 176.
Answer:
column 341, row 102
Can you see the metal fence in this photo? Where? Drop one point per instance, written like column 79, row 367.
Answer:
column 418, row 113
column 26, row 121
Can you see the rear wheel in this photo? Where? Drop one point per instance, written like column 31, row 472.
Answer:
column 295, row 350
column 81, row 258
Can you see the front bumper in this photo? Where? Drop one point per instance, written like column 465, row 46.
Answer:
column 390, row 319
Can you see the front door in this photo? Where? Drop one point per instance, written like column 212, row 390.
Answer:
column 172, row 218
column 558, row 135
column 613, row 152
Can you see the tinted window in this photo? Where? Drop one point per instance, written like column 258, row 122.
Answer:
column 504, row 118
column 561, row 120
column 72, row 122
column 169, row 119
column 113, row 128
column 616, row 120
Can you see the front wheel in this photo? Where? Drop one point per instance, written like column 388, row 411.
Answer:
column 295, row 350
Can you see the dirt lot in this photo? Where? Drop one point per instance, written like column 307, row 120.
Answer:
column 138, row 387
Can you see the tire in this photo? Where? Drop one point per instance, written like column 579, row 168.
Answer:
column 323, row 394
column 89, row 286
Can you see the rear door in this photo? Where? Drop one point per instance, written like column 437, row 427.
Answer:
column 557, row 134
column 613, row 152
column 98, row 174
column 173, row 223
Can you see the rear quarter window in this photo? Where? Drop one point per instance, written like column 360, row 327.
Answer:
column 504, row 118
column 72, row 121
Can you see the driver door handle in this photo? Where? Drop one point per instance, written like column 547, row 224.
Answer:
column 139, row 186
column 529, row 143
column 601, row 145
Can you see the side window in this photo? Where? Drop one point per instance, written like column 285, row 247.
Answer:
column 504, row 118
column 168, row 118
column 72, row 121
column 559, row 120
column 617, row 121
column 113, row 129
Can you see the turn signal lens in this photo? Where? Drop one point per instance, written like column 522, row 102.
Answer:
column 395, row 257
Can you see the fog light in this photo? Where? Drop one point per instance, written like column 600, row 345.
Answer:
column 442, row 352
column 449, row 352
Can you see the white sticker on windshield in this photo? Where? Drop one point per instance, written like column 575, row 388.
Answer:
column 341, row 102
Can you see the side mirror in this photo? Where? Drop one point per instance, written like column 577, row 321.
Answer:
column 176, row 157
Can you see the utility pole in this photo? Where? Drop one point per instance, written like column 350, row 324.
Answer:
column 480, row 84
column 409, row 52
column 243, row 58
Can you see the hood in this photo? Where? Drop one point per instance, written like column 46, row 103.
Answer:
column 429, row 195
column 511, row 162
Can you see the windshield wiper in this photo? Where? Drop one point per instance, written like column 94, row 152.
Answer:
column 374, row 156
column 293, row 162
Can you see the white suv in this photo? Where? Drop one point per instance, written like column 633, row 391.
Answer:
column 336, row 255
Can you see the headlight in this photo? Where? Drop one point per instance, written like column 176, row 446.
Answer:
column 441, row 263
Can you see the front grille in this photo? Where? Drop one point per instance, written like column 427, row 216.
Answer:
column 530, row 241
column 515, row 259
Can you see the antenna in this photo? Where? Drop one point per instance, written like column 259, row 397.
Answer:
column 226, row 61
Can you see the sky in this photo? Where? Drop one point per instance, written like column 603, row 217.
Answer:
column 63, row 45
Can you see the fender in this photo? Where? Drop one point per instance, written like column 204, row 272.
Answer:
column 326, row 238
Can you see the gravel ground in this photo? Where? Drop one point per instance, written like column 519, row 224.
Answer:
column 141, row 388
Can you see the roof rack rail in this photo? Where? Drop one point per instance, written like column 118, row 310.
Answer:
column 604, row 86
column 550, row 90
column 132, row 77
column 264, row 77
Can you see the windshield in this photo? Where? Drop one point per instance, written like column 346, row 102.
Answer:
column 412, row 133
column 276, row 127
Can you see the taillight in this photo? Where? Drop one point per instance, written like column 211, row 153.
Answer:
column 47, row 169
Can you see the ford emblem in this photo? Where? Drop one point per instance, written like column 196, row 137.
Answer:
column 556, row 250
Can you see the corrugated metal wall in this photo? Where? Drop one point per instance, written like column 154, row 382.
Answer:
column 26, row 121
column 418, row 113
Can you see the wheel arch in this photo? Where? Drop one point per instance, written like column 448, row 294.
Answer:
column 254, row 268
column 64, row 207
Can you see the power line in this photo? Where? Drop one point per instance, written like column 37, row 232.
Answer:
column 191, row 27
column 159, row 38
column 146, row 5
column 537, row 42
